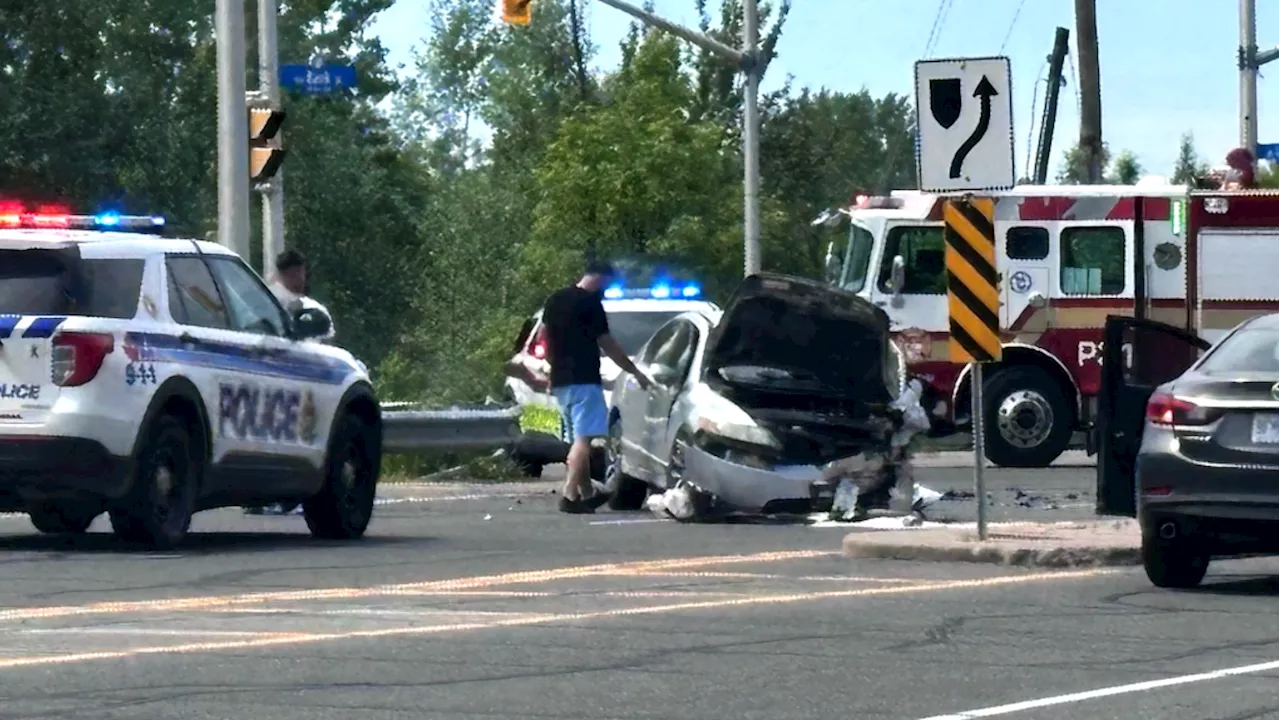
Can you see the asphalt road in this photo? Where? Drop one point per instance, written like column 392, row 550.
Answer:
column 484, row 602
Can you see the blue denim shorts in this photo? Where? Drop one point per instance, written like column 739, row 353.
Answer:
column 582, row 411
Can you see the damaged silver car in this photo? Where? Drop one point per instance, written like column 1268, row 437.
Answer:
column 751, row 403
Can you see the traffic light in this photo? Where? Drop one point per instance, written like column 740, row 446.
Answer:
column 265, row 155
column 516, row 12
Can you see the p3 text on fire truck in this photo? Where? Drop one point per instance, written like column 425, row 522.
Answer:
column 1068, row 256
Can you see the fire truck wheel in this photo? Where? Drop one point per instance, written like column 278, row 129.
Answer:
column 1027, row 417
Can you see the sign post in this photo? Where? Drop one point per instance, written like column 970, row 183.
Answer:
column 964, row 116
column 973, row 304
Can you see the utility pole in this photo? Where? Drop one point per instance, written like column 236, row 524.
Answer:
column 748, row 62
column 1090, row 89
column 1248, row 60
column 233, row 129
column 1050, row 117
column 751, row 139
column 269, row 87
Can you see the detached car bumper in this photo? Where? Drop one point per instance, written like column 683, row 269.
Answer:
column 796, row 489
column 37, row 468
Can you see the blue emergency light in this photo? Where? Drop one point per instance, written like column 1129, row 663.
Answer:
column 661, row 291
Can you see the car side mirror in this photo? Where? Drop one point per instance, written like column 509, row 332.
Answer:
column 898, row 275
column 309, row 323
column 663, row 374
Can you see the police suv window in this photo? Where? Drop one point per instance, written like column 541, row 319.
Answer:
column 1092, row 261
column 34, row 282
column 924, row 256
column 1026, row 243
column 200, row 302
column 253, row 308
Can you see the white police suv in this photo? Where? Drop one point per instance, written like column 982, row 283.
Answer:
column 151, row 378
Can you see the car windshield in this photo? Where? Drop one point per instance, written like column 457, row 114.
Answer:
column 34, row 282
column 857, row 258
column 633, row 329
column 1252, row 350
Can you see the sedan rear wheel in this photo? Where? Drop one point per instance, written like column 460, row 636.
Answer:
column 1180, row 562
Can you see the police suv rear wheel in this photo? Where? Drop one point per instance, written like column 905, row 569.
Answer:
column 343, row 509
column 158, row 509
column 59, row 518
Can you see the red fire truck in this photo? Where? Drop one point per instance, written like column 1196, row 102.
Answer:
column 1068, row 256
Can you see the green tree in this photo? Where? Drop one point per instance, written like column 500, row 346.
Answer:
column 636, row 175
column 1074, row 170
column 1125, row 169
column 1189, row 164
column 112, row 104
column 818, row 150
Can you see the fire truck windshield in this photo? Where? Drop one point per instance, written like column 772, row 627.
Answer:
column 857, row 258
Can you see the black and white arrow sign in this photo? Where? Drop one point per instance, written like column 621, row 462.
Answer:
column 964, row 118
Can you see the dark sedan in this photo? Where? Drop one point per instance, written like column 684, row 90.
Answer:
column 1207, row 470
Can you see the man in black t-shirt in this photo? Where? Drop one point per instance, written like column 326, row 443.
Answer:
column 577, row 330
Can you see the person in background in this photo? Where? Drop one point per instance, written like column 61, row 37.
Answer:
column 577, row 330
column 289, row 285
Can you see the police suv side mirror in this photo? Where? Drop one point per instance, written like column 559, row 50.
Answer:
column 311, row 323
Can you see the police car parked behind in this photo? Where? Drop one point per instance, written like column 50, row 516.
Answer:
column 152, row 378
column 634, row 315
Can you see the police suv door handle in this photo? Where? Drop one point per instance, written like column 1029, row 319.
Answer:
column 187, row 338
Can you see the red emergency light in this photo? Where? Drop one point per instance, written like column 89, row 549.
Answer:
column 874, row 202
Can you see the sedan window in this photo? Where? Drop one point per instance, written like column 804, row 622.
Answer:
column 1250, row 350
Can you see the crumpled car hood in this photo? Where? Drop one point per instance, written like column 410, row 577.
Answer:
column 790, row 337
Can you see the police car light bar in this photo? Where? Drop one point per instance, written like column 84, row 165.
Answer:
column 63, row 221
column 660, row 291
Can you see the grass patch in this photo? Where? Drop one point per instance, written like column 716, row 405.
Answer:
column 486, row 467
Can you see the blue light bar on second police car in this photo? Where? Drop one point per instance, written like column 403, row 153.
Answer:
column 661, row 291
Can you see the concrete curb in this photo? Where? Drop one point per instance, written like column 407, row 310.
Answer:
column 964, row 459
column 1042, row 545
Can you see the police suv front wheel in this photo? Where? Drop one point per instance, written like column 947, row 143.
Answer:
column 158, row 508
column 343, row 508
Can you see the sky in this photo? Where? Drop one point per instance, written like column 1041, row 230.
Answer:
column 1167, row 66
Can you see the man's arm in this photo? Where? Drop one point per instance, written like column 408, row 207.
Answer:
column 619, row 356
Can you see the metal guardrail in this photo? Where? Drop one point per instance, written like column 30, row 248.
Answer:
column 408, row 430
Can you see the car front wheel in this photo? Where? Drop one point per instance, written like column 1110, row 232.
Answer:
column 343, row 508
column 628, row 493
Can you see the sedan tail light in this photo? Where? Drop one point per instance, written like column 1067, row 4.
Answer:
column 1165, row 409
column 539, row 345
column 77, row 357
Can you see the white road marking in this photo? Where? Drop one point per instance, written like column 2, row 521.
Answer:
column 1106, row 692
column 630, row 521
column 151, row 631
column 378, row 501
